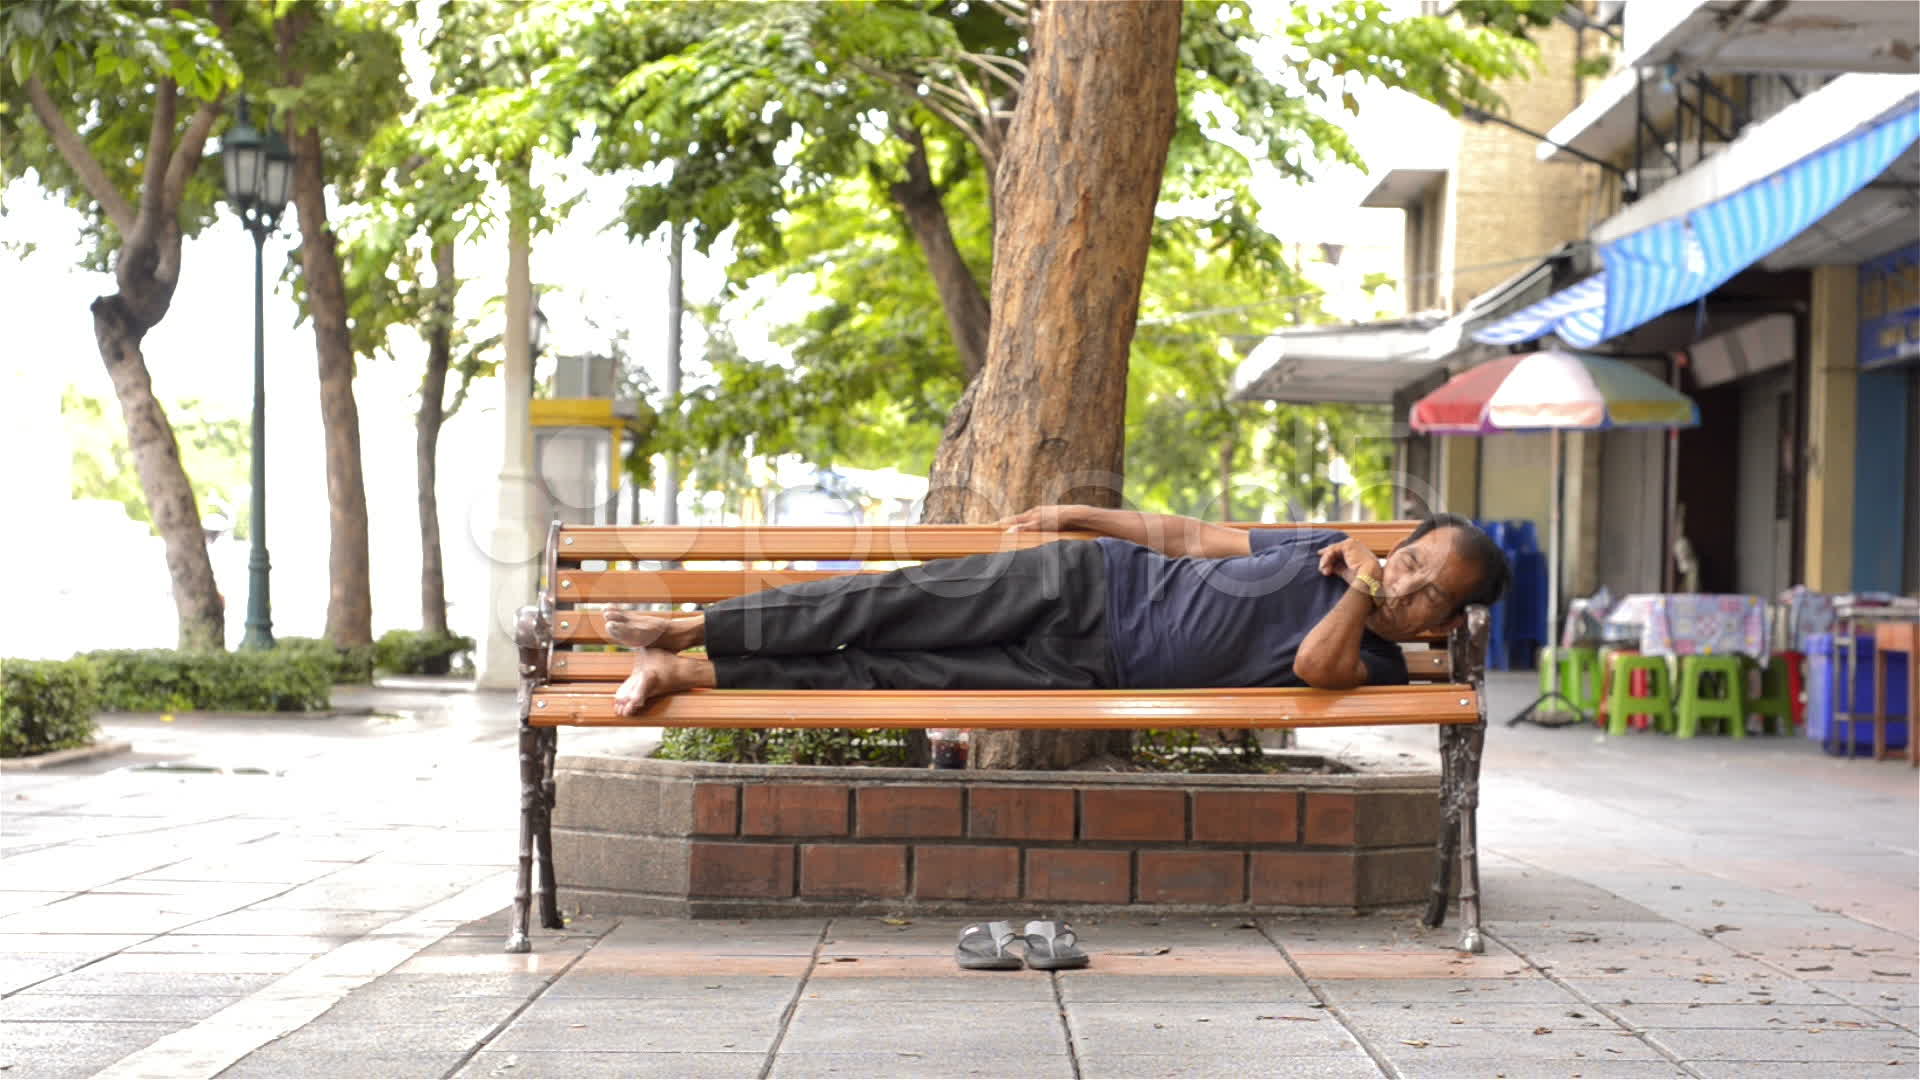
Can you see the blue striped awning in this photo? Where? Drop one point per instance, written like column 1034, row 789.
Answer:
column 1677, row 261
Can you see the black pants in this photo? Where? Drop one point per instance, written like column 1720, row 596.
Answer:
column 1032, row 619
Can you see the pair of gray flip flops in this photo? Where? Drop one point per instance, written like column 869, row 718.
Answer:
column 1048, row 946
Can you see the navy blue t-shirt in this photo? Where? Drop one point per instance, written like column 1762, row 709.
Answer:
column 1193, row 622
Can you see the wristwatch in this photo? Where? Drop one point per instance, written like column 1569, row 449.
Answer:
column 1369, row 583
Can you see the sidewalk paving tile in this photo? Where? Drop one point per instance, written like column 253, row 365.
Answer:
column 413, row 1035
column 1408, row 965
column 1586, row 1068
column 620, row 961
column 914, row 1063
column 92, row 980
column 195, row 963
column 20, row 970
column 1192, row 961
column 80, row 1008
column 1899, row 1069
column 629, row 987
column 951, row 985
column 931, row 1028
column 341, row 1065
column 16, row 900
column 298, row 922
column 1622, row 990
column 1089, row 987
column 1525, row 988
column 611, row 1024
column 1204, row 1027
column 1102, row 1064
column 1468, row 1012
column 224, row 944
column 561, row 1064
column 55, row 1049
column 1814, row 1043
column 1750, row 1017
column 1543, row 1042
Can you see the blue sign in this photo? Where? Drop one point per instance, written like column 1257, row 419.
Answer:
column 1890, row 308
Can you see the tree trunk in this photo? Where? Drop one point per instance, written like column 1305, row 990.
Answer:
column 1075, row 194
column 156, row 456
column 433, row 388
column 960, row 296
column 349, row 593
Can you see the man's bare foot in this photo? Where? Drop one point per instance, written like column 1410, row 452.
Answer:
column 644, row 630
column 655, row 672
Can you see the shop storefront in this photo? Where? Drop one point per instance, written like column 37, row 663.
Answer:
column 1886, row 535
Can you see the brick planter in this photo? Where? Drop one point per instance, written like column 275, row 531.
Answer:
column 635, row 835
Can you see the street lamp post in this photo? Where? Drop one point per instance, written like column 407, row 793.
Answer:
column 259, row 171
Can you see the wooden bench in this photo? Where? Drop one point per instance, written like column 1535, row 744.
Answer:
column 590, row 566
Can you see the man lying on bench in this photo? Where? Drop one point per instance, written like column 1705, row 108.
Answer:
column 1157, row 602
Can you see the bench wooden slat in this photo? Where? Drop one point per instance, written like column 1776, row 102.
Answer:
column 1423, row 665
column 677, row 586
column 879, row 543
column 591, row 704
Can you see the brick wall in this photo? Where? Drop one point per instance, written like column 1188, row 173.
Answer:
column 643, row 836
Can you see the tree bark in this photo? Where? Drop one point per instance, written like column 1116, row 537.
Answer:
column 965, row 305
column 432, row 414
column 156, row 457
column 1075, row 195
column 349, row 591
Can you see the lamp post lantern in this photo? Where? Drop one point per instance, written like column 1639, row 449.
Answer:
column 259, row 171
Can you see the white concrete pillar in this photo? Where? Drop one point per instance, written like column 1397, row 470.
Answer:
column 518, row 539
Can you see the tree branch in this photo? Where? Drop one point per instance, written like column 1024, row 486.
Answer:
column 186, row 156
column 166, row 106
column 73, row 149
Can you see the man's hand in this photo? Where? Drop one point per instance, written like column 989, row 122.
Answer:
column 1048, row 519
column 1347, row 560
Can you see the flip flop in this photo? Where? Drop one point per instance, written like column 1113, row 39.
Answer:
column 983, row 947
column 1052, row 946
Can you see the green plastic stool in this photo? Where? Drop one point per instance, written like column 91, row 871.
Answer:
column 1622, row 702
column 1774, row 703
column 1579, row 674
column 1696, row 705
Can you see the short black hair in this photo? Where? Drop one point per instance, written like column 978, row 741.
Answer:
column 1490, row 563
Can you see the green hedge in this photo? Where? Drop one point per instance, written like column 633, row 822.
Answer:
column 787, row 746
column 354, row 665
column 415, row 652
column 46, row 705
column 166, row 680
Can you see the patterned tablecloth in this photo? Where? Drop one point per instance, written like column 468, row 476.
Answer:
column 1695, row 624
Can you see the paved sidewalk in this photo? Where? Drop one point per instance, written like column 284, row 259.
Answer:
column 331, row 905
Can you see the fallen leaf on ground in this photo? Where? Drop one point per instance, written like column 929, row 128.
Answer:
column 1708, row 979
column 1611, row 970
column 1307, row 1019
column 1816, row 967
column 898, row 922
column 1417, row 1044
column 844, row 960
column 1543, row 1031
column 1889, row 974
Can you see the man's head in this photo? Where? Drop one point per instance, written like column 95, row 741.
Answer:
column 1430, row 577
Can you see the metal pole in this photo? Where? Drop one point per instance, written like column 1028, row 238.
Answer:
column 676, row 302
column 1553, row 569
column 259, row 633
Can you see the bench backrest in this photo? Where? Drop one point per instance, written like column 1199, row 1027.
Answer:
column 589, row 566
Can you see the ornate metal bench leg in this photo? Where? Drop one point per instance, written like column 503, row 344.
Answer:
column 543, row 834
column 1473, row 739
column 517, row 938
column 1447, row 846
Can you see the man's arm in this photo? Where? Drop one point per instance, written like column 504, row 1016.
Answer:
column 1329, row 657
column 1168, row 534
